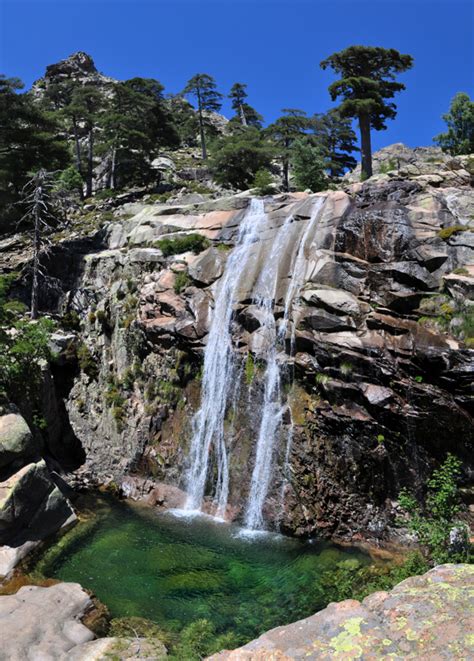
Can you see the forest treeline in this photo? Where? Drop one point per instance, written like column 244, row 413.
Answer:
column 96, row 137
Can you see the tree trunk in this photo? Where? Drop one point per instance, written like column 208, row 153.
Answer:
column 113, row 168
column 286, row 174
column 201, row 127
column 36, row 251
column 366, row 148
column 78, row 150
column 243, row 118
column 90, row 163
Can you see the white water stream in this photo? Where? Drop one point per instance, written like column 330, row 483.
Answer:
column 219, row 372
column 220, row 366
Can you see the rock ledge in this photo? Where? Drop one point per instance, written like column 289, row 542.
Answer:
column 424, row 617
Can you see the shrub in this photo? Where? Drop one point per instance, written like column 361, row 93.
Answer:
column 181, row 281
column 263, row 182
column 346, row 369
column 433, row 520
column 309, row 168
column 238, row 157
column 447, row 232
column 321, row 378
column 86, row 361
column 249, row 369
column 70, row 181
column 71, row 320
column 194, row 242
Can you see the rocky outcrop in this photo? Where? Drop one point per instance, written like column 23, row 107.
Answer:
column 377, row 353
column 43, row 623
column 78, row 68
column 48, row 623
column 424, row 617
column 32, row 506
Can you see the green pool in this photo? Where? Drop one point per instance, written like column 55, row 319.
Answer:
column 175, row 570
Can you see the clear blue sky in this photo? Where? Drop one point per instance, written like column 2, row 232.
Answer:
column 273, row 45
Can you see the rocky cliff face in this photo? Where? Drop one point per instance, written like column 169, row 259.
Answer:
column 378, row 364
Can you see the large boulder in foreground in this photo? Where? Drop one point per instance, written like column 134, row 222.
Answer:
column 43, row 623
column 31, row 508
column 425, row 617
column 16, row 440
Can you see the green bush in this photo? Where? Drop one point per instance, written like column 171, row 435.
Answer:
column 433, row 520
column 309, row 168
column 193, row 242
column 263, row 182
column 71, row 320
column 87, row 362
column 447, row 232
column 249, row 369
column 181, row 281
column 237, row 158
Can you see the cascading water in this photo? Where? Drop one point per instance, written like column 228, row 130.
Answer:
column 273, row 406
column 219, row 372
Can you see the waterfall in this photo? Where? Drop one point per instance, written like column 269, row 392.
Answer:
column 273, row 406
column 219, row 372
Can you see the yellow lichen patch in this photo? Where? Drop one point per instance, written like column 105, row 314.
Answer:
column 347, row 641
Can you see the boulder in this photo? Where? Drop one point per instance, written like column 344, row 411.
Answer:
column 335, row 300
column 209, row 266
column 31, row 505
column 16, row 441
column 40, row 623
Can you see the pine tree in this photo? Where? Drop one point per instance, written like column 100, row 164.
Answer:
column 334, row 137
column 288, row 128
column 85, row 106
column 135, row 124
column 203, row 88
column 367, row 81
column 459, row 138
column 309, row 165
column 237, row 158
column 29, row 139
column 244, row 113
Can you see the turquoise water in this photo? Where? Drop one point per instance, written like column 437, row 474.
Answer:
column 176, row 570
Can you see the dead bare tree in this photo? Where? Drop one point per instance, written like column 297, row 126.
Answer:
column 39, row 200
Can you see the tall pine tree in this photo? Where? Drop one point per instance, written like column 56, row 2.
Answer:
column 367, row 82
column 202, row 87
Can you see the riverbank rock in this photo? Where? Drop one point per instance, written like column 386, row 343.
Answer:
column 32, row 506
column 43, row 623
column 425, row 618
column 16, row 439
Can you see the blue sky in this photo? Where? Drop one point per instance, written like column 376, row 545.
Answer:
column 274, row 46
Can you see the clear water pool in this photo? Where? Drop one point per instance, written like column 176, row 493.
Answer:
column 174, row 570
